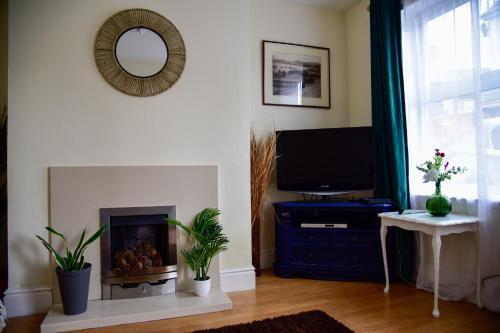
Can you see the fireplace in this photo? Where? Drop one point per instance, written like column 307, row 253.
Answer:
column 138, row 252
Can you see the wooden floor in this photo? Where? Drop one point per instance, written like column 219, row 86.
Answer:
column 361, row 306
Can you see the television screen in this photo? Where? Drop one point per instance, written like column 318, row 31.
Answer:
column 325, row 160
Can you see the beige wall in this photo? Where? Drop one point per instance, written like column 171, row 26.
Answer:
column 347, row 34
column 285, row 22
column 62, row 112
column 358, row 52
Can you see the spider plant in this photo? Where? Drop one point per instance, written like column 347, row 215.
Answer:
column 208, row 241
column 74, row 260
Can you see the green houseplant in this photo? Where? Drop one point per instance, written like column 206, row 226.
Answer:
column 208, row 240
column 73, row 273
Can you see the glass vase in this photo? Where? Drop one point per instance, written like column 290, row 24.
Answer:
column 438, row 204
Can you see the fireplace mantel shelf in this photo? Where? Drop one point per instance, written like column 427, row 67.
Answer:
column 102, row 313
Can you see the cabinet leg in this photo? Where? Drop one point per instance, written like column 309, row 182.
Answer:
column 436, row 247
column 383, row 233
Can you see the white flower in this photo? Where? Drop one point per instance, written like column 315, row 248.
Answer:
column 431, row 176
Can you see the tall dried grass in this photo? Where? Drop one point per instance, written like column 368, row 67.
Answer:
column 262, row 155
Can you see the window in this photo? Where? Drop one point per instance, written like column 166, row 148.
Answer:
column 451, row 55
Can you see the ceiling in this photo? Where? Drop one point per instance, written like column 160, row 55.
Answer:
column 334, row 4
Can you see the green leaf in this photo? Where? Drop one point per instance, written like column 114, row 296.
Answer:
column 70, row 259
column 78, row 249
column 92, row 238
column 74, row 261
column 51, row 230
column 180, row 225
column 80, row 242
column 56, row 233
column 82, row 263
column 208, row 241
column 59, row 260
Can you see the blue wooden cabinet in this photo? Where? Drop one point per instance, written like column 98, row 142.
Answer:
column 330, row 240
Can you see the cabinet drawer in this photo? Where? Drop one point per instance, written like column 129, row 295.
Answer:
column 312, row 237
column 363, row 260
column 335, row 237
column 312, row 256
column 356, row 237
column 339, row 258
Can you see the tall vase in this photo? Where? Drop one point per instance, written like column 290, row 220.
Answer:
column 256, row 246
column 438, row 204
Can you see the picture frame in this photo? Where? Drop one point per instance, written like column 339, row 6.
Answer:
column 295, row 75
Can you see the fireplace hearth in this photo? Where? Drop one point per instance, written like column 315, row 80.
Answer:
column 138, row 252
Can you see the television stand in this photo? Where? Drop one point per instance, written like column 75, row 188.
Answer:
column 335, row 240
column 327, row 194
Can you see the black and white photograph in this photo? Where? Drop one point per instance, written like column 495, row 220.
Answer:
column 295, row 75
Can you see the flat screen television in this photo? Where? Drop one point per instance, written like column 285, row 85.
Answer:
column 325, row 160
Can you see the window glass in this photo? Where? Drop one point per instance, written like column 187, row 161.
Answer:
column 453, row 97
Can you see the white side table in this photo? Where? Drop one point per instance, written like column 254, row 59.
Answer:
column 436, row 227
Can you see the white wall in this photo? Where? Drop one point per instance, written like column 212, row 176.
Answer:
column 62, row 112
column 281, row 21
column 358, row 64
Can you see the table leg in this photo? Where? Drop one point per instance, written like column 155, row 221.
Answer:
column 436, row 248
column 421, row 252
column 383, row 233
column 478, row 268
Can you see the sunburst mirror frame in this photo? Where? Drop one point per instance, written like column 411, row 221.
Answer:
column 111, row 70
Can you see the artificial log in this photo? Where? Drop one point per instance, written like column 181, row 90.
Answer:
column 137, row 259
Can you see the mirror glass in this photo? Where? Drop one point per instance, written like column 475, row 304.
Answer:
column 141, row 52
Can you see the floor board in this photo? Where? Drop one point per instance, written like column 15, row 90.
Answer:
column 359, row 305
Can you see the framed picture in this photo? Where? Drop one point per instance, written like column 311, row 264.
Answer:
column 295, row 75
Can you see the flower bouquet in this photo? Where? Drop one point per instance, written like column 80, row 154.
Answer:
column 437, row 171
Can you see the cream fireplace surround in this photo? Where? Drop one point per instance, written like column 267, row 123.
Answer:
column 77, row 194
column 73, row 191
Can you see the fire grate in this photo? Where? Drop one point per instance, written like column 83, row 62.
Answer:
column 138, row 252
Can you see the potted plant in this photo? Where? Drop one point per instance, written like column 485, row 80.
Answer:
column 437, row 171
column 73, row 273
column 208, row 241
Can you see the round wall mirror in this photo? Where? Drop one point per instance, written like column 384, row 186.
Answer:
column 140, row 52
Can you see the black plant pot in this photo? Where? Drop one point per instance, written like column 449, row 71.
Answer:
column 74, row 287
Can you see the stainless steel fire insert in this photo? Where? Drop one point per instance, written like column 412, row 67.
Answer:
column 138, row 252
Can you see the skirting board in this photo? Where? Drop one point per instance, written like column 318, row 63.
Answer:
column 237, row 279
column 27, row 301
column 266, row 259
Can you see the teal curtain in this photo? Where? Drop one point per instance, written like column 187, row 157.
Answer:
column 388, row 118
